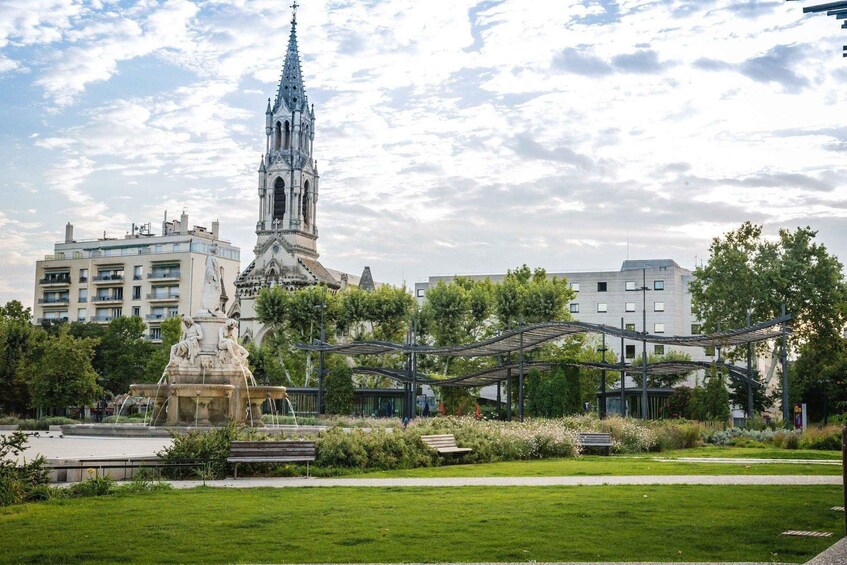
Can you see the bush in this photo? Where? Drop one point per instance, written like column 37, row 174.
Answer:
column 791, row 441
column 828, row 438
column 20, row 483
column 208, row 448
column 94, row 486
column 677, row 434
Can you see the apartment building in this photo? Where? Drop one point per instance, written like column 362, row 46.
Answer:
column 142, row 274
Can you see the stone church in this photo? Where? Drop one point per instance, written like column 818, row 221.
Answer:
column 286, row 251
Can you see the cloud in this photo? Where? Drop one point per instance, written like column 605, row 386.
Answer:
column 775, row 66
column 573, row 61
column 643, row 61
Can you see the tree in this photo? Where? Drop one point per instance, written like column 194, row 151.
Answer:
column 264, row 364
column 17, row 339
column 123, row 354
column 171, row 329
column 664, row 381
column 61, row 373
column 339, row 391
column 819, row 378
column 710, row 401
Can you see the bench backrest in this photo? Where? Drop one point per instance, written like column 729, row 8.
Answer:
column 589, row 438
column 439, row 441
column 272, row 448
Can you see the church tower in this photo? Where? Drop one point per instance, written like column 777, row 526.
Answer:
column 288, row 187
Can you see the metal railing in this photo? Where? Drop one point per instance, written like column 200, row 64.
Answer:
column 154, row 296
column 107, row 298
column 100, row 278
column 66, row 279
column 164, row 275
column 60, row 300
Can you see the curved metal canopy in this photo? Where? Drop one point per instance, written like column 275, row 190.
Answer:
column 535, row 335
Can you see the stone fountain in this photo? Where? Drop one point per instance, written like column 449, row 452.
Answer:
column 207, row 381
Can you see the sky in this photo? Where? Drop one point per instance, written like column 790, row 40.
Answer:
column 458, row 136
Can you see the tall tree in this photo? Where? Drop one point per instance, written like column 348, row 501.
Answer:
column 61, row 374
column 171, row 329
column 123, row 354
column 17, row 340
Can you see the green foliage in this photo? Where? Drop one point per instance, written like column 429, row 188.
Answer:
column 531, row 297
column 339, row 391
column 679, row 403
column 24, row 482
column 555, row 393
column 60, row 373
column 171, row 329
column 17, row 340
column 265, row 364
column 208, row 448
column 123, row 354
column 711, row 401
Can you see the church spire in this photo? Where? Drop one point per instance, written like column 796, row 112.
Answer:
column 291, row 91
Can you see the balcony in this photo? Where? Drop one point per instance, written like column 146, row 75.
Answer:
column 82, row 299
column 101, row 279
column 106, row 298
column 101, row 319
column 158, row 317
column 153, row 339
column 54, row 300
column 51, row 320
column 163, row 297
column 56, row 280
column 164, row 275
column 83, row 279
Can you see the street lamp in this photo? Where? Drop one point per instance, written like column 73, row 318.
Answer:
column 644, row 289
column 603, row 349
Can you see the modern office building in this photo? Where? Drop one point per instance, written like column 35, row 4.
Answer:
column 141, row 274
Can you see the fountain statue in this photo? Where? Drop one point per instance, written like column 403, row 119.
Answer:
column 207, row 380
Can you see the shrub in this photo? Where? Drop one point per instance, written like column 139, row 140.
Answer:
column 821, row 438
column 791, row 441
column 20, row 483
column 94, row 486
column 208, row 448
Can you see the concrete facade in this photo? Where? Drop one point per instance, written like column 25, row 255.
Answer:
column 151, row 276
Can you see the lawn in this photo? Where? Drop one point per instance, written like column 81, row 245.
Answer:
column 483, row 524
column 751, row 452
column 615, row 465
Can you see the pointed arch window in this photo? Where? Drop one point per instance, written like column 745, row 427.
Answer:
column 277, row 136
column 279, row 199
column 287, row 136
column 306, row 207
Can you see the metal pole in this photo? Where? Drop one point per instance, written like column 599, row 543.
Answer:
column 414, row 369
column 786, row 414
column 508, row 384
column 844, row 470
column 602, row 403
column 623, row 374
column 520, row 376
column 321, row 369
column 499, row 405
column 749, row 373
column 644, row 407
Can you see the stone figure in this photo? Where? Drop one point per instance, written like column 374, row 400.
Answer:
column 188, row 347
column 228, row 341
column 210, row 299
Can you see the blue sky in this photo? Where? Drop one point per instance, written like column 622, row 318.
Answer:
column 452, row 136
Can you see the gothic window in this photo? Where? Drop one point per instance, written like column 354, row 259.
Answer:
column 279, row 199
column 306, row 219
column 287, row 136
column 277, row 136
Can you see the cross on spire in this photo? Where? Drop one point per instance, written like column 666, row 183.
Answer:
column 294, row 7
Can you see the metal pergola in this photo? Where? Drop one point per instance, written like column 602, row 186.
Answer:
column 527, row 337
column 837, row 9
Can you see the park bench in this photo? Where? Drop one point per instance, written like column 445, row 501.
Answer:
column 587, row 439
column 271, row 452
column 444, row 443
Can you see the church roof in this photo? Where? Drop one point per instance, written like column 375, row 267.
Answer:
column 319, row 272
column 291, row 91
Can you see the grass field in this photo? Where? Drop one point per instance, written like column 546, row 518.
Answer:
column 615, row 466
column 662, row 523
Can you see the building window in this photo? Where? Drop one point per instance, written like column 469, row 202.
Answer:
column 658, row 285
column 695, row 329
column 601, row 287
column 421, row 292
column 659, row 328
column 630, row 307
column 630, row 285
column 575, row 287
column 136, row 272
column 658, row 307
column 136, row 293
column 117, row 312
column 602, row 307
column 658, row 349
column 136, row 311
column 709, row 350
column 574, row 308
column 630, row 327
column 81, row 314
column 630, row 352
column 155, row 333
column 83, row 295
column 279, row 199
column 83, row 275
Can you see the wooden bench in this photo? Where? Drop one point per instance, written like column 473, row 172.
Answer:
column 596, row 440
column 271, row 452
column 445, row 443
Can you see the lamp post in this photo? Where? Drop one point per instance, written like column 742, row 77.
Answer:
column 644, row 407
column 520, row 375
column 602, row 404
column 749, row 370
column 321, row 368
column 623, row 373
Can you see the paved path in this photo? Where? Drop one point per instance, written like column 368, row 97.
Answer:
column 747, row 461
column 52, row 445
column 300, row 482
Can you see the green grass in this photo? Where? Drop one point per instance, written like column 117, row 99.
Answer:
column 661, row 523
column 752, row 452
column 607, row 466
